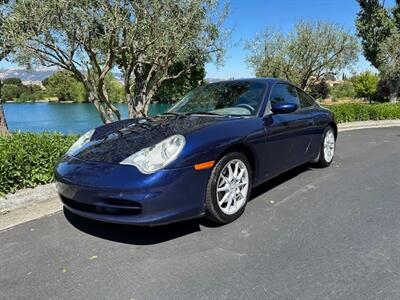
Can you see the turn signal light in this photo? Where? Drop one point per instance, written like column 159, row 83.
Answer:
column 205, row 165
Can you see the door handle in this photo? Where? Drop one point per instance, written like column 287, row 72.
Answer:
column 310, row 122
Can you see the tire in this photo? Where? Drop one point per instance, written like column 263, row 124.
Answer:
column 236, row 190
column 325, row 158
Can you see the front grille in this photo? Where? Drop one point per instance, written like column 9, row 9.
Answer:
column 107, row 206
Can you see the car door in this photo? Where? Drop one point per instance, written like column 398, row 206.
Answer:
column 287, row 135
column 309, row 109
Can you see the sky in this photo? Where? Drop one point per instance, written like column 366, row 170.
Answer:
column 248, row 17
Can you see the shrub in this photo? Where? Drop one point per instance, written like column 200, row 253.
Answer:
column 351, row 112
column 28, row 159
column 344, row 90
column 365, row 84
column 320, row 90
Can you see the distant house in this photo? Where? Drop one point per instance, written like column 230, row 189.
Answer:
column 33, row 82
column 332, row 83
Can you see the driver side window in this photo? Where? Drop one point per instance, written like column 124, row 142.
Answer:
column 283, row 92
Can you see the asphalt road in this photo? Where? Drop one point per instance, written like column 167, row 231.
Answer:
column 309, row 234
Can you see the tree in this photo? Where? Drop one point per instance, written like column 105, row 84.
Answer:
column 374, row 25
column 365, row 85
column 77, row 36
column 13, row 80
column 389, row 64
column 4, row 51
column 319, row 90
column 158, row 34
column 11, row 92
column 343, row 90
column 174, row 90
column 305, row 55
column 379, row 28
column 114, row 89
column 65, row 87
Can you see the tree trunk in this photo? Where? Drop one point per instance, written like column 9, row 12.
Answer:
column 394, row 86
column 138, row 104
column 98, row 96
column 3, row 121
column 106, row 115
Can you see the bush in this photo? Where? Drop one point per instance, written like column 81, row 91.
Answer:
column 365, row 85
column 351, row 112
column 320, row 90
column 344, row 90
column 28, row 159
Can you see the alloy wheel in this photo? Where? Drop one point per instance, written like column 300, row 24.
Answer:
column 329, row 146
column 232, row 187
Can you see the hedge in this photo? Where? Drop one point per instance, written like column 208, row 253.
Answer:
column 351, row 112
column 28, row 159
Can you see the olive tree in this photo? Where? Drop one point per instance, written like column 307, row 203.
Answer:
column 158, row 36
column 77, row 36
column 305, row 55
column 4, row 51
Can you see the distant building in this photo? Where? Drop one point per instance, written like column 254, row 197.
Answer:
column 33, row 82
column 332, row 83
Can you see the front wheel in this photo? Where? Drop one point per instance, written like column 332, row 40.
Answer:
column 228, row 189
column 327, row 148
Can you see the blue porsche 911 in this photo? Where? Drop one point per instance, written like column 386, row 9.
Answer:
column 201, row 158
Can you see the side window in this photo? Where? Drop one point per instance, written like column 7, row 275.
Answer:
column 282, row 92
column 305, row 100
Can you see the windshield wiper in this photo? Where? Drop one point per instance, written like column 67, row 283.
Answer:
column 171, row 113
column 202, row 113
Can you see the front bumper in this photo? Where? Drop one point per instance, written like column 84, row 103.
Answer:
column 121, row 194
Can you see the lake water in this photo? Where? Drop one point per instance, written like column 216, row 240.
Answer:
column 68, row 118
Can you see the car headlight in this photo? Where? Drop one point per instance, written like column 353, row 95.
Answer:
column 81, row 142
column 154, row 158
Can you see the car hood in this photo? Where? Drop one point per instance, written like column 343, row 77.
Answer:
column 114, row 142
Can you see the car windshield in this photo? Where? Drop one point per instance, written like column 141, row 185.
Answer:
column 231, row 98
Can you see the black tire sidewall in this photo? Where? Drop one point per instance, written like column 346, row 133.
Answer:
column 213, row 211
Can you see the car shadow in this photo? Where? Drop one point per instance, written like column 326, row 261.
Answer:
column 141, row 235
column 131, row 234
column 275, row 182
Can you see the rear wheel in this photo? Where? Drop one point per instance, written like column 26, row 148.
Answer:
column 327, row 149
column 228, row 189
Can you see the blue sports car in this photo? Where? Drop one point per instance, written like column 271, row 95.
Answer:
column 201, row 158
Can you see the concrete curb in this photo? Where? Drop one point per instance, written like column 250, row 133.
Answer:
column 367, row 125
column 30, row 204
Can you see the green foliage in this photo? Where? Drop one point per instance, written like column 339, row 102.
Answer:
column 319, row 90
column 65, row 87
column 11, row 92
column 378, row 28
column 12, row 80
column 114, row 89
column 174, row 90
column 308, row 53
column 351, row 112
column 365, row 84
column 374, row 25
column 28, row 159
column 22, row 93
column 343, row 90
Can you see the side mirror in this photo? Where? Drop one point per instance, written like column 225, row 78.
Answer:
column 283, row 108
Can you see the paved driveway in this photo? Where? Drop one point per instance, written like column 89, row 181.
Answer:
column 310, row 234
